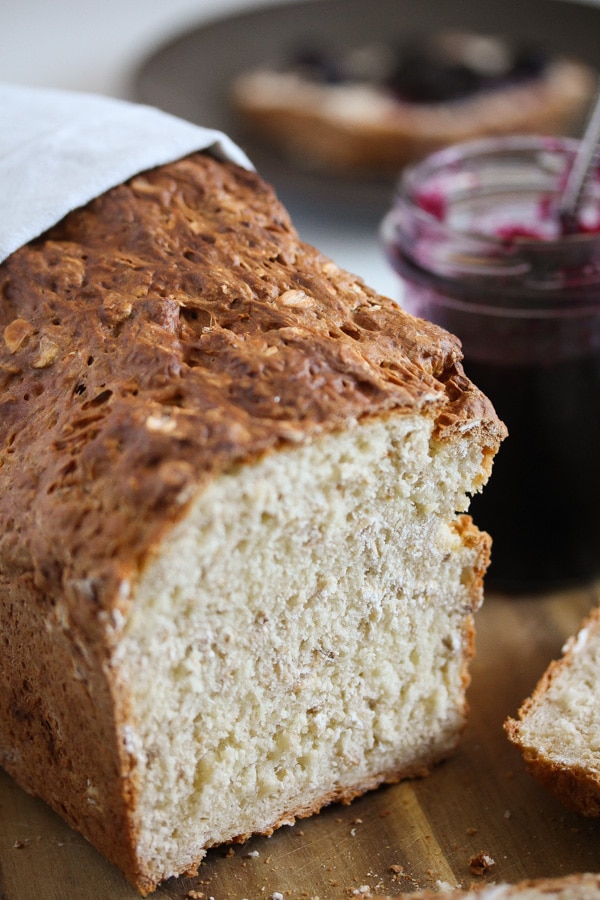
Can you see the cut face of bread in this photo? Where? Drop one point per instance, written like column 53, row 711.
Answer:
column 302, row 636
column 237, row 577
column 558, row 729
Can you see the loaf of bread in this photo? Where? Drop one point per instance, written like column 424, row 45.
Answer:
column 354, row 114
column 237, row 576
column 585, row 886
column 558, row 726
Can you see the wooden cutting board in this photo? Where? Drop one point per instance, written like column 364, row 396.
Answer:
column 401, row 838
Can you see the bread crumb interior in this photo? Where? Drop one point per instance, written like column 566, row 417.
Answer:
column 304, row 631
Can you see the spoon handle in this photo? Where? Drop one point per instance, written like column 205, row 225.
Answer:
column 581, row 170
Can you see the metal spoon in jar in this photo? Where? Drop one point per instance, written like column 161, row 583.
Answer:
column 583, row 165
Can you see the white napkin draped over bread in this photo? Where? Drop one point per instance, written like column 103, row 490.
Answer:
column 60, row 149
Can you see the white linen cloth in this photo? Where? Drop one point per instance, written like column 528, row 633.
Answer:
column 60, row 149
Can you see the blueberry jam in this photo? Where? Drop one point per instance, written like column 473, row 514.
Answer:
column 541, row 504
column 476, row 239
column 437, row 68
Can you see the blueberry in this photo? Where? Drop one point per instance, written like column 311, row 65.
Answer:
column 317, row 66
column 419, row 78
column 530, row 62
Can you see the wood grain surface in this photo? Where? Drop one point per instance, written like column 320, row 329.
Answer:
column 401, row 838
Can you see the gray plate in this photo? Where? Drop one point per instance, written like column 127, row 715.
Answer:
column 190, row 75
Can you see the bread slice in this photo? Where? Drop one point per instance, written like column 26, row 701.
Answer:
column 558, row 728
column 585, row 886
column 237, row 577
column 359, row 128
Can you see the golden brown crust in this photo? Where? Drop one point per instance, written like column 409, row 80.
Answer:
column 168, row 330
column 57, row 713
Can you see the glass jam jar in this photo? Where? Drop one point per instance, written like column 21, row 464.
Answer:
column 475, row 236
